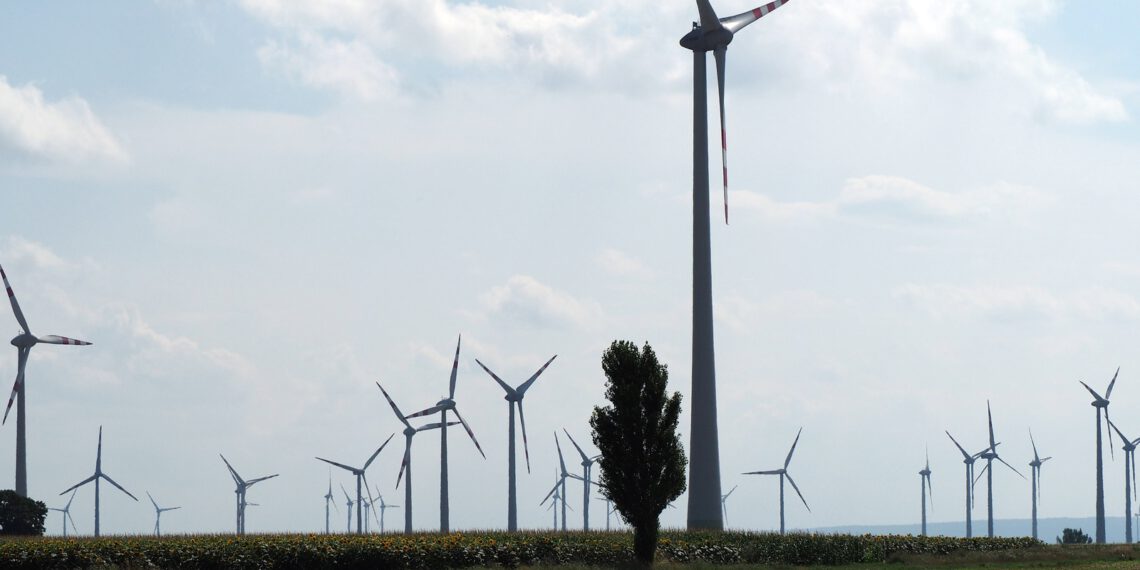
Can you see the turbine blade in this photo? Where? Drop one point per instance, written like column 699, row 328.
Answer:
column 22, row 358
column 73, row 527
column 381, row 448
column 395, row 409
column 709, row 21
column 735, row 23
column 404, row 463
column 719, row 54
column 561, row 462
column 260, row 479
column 526, row 385
column 427, row 412
column 982, row 473
column 78, row 485
column 990, row 417
column 772, row 472
column 371, row 501
column 728, row 494
column 556, row 485
column 793, row 482
column 1011, row 467
column 120, row 487
column 341, row 465
column 455, row 368
column 233, row 472
column 1108, row 393
column 965, row 454
column 1091, row 391
column 793, row 449
column 152, row 501
column 56, row 339
column 470, row 433
column 502, row 384
column 15, row 304
column 930, row 491
column 1034, row 443
column 526, row 449
column 1111, row 453
column 346, row 497
column 68, row 506
column 1118, row 432
column 580, row 452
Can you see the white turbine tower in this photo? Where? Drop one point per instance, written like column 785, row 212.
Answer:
column 1035, row 472
column 514, row 398
column 361, row 479
column 406, row 464
column 783, row 473
column 158, row 513
column 442, row 407
column 723, row 507
column 240, row 487
column 24, row 343
column 96, row 477
column 711, row 34
column 65, row 513
column 587, row 467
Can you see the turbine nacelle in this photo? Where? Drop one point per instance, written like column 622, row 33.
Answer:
column 24, row 340
column 699, row 39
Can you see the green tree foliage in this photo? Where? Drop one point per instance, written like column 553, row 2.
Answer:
column 643, row 462
column 21, row 515
column 1073, row 536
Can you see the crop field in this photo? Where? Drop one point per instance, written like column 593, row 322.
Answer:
column 497, row 549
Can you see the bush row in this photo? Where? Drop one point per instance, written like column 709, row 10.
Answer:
column 461, row 550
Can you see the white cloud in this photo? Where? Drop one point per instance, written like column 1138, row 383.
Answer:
column 742, row 313
column 619, row 263
column 1013, row 303
column 65, row 130
column 525, row 299
column 349, row 67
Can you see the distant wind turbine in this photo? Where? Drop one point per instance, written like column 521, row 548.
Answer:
column 969, row 461
column 514, row 399
column 240, row 488
column 990, row 454
column 711, row 34
column 562, row 475
column 65, row 513
column 24, row 343
column 330, row 499
column 406, row 464
column 1129, row 479
column 723, row 507
column 96, row 477
column 442, row 407
column 610, row 509
column 158, row 513
column 783, row 473
column 587, row 467
column 361, row 479
column 383, row 507
column 1035, row 472
column 347, row 510
column 926, row 491
column 1101, row 403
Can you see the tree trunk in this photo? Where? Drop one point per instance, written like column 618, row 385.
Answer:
column 645, row 541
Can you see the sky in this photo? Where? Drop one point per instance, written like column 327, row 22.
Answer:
column 258, row 209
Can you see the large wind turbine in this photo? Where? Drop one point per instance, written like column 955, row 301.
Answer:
column 723, row 507
column 711, row 34
column 1129, row 479
column 158, row 513
column 24, row 343
column 990, row 454
column 514, row 398
column 65, row 512
column 783, row 473
column 361, row 479
column 442, row 407
column 240, row 487
column 96, row 477
column 969, row 461
column 406, row 464
column 330, row 499
column 1101, row 403
column 1035, row 472
column 587, row 467
column 926, row 490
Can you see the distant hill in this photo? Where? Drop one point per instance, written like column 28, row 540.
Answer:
column 1048, row 529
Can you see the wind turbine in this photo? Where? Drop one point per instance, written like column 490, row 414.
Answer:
column 361, row 479
column 96, row 477
column 1129, row 479
column 609, row 509
column 65, row 512
column 158, row 513
column 783, row 473
column 927, row 490
column 990, row 454
column 24, row 343
column 559, row 481
column 241, row 486
column 587, row 467
column 406, row 464
column 442, row 407
column 383, row 507
column 723, row 507
column 711, row 34
column 347, row 510
column 329, row 500
column 1035, row 472
column 561, row 475
column 514, row 398
column 1101, row 403
column 969, row 461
